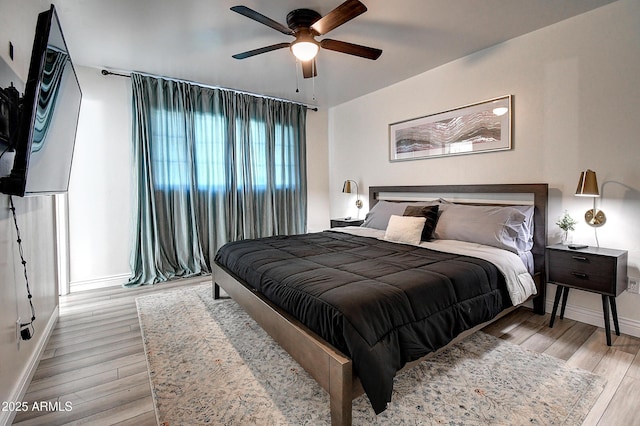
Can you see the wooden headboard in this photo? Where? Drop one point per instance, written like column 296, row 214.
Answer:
column 490, row 194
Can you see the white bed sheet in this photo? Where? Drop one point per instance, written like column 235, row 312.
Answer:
column 519, row 281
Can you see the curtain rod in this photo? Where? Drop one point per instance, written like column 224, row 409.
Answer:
column 311, row 107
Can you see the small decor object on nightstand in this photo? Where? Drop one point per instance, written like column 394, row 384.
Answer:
column 577, row 246
column 567, row 224
column 595, row 269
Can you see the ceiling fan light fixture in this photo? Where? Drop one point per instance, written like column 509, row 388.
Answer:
column 305, row 50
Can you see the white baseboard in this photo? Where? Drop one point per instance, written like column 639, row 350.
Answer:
column 595, row 317
column 6, row 417
column 102, row 282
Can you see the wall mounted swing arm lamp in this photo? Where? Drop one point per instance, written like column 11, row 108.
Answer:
column 346, row 188
column 588, row 187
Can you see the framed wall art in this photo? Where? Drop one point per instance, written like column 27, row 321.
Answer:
column 480, row 127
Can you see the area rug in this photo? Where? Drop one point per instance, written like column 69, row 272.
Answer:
column 210, row 363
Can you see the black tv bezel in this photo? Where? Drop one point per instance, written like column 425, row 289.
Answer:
column 15, row 183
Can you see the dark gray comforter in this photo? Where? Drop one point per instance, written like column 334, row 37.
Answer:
column 381, row 303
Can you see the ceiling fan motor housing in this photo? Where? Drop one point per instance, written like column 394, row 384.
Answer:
column 302, row 18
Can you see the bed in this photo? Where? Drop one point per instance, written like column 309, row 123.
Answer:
column 304, row 322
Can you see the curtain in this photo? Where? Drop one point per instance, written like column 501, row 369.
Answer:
column 210, row 166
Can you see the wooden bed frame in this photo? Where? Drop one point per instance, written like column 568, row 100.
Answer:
column 329, row 367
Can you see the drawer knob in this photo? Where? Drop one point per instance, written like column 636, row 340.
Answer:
column 580, row 258
column 580, row 275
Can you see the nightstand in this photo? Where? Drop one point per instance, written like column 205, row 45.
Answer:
column 595, row 269
column 339, row 223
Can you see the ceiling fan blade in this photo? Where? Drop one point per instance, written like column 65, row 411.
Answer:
column 309, row 69
column 265, row 49
column 338, row 16
column 351, row 49
column 252, row 14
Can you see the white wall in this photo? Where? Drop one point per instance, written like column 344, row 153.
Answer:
column 576, row 98
column 317, row 171
column 100, row 185
column 19, row 359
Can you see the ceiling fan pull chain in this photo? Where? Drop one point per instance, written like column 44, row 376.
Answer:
column 297, row 75
column 313, row 77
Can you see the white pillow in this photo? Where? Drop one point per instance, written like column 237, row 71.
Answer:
column 405, row 229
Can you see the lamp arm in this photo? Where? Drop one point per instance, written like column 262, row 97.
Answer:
column 358, row 201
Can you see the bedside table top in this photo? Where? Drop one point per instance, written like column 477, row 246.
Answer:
column 589, row 250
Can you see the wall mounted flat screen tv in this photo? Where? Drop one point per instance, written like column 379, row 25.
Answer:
column 49, row 114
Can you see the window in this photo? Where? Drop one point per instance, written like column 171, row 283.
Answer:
column 249, row 152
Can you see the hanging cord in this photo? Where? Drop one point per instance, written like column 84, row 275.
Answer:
column 595, row 229
column 25, row 336
column 297, row 65
column 313, row 77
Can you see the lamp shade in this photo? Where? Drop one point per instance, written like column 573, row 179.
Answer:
column 346, row 188
column 588, row 184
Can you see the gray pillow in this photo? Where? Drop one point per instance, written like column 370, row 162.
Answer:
column 502, row 227
column 526, row 237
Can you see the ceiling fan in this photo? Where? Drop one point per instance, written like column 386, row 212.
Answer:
column 305, row 25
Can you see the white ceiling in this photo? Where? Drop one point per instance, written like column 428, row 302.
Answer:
column 194, row 40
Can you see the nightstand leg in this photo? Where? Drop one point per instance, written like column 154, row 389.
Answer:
column 565, row 295
column 555, row 305
column 614, row 312
column 605, row 309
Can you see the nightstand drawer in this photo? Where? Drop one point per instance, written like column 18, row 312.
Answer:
column 583, row 270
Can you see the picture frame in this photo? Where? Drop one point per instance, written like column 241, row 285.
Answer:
column 479, row 127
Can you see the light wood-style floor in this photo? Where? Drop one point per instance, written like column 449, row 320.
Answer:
column 95, row 359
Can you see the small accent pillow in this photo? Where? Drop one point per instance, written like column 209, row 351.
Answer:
column 430, row 213
column 405, row 229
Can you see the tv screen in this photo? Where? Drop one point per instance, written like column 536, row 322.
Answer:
column 49, row 117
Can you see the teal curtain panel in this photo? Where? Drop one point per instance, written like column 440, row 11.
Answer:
column 210, row 166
